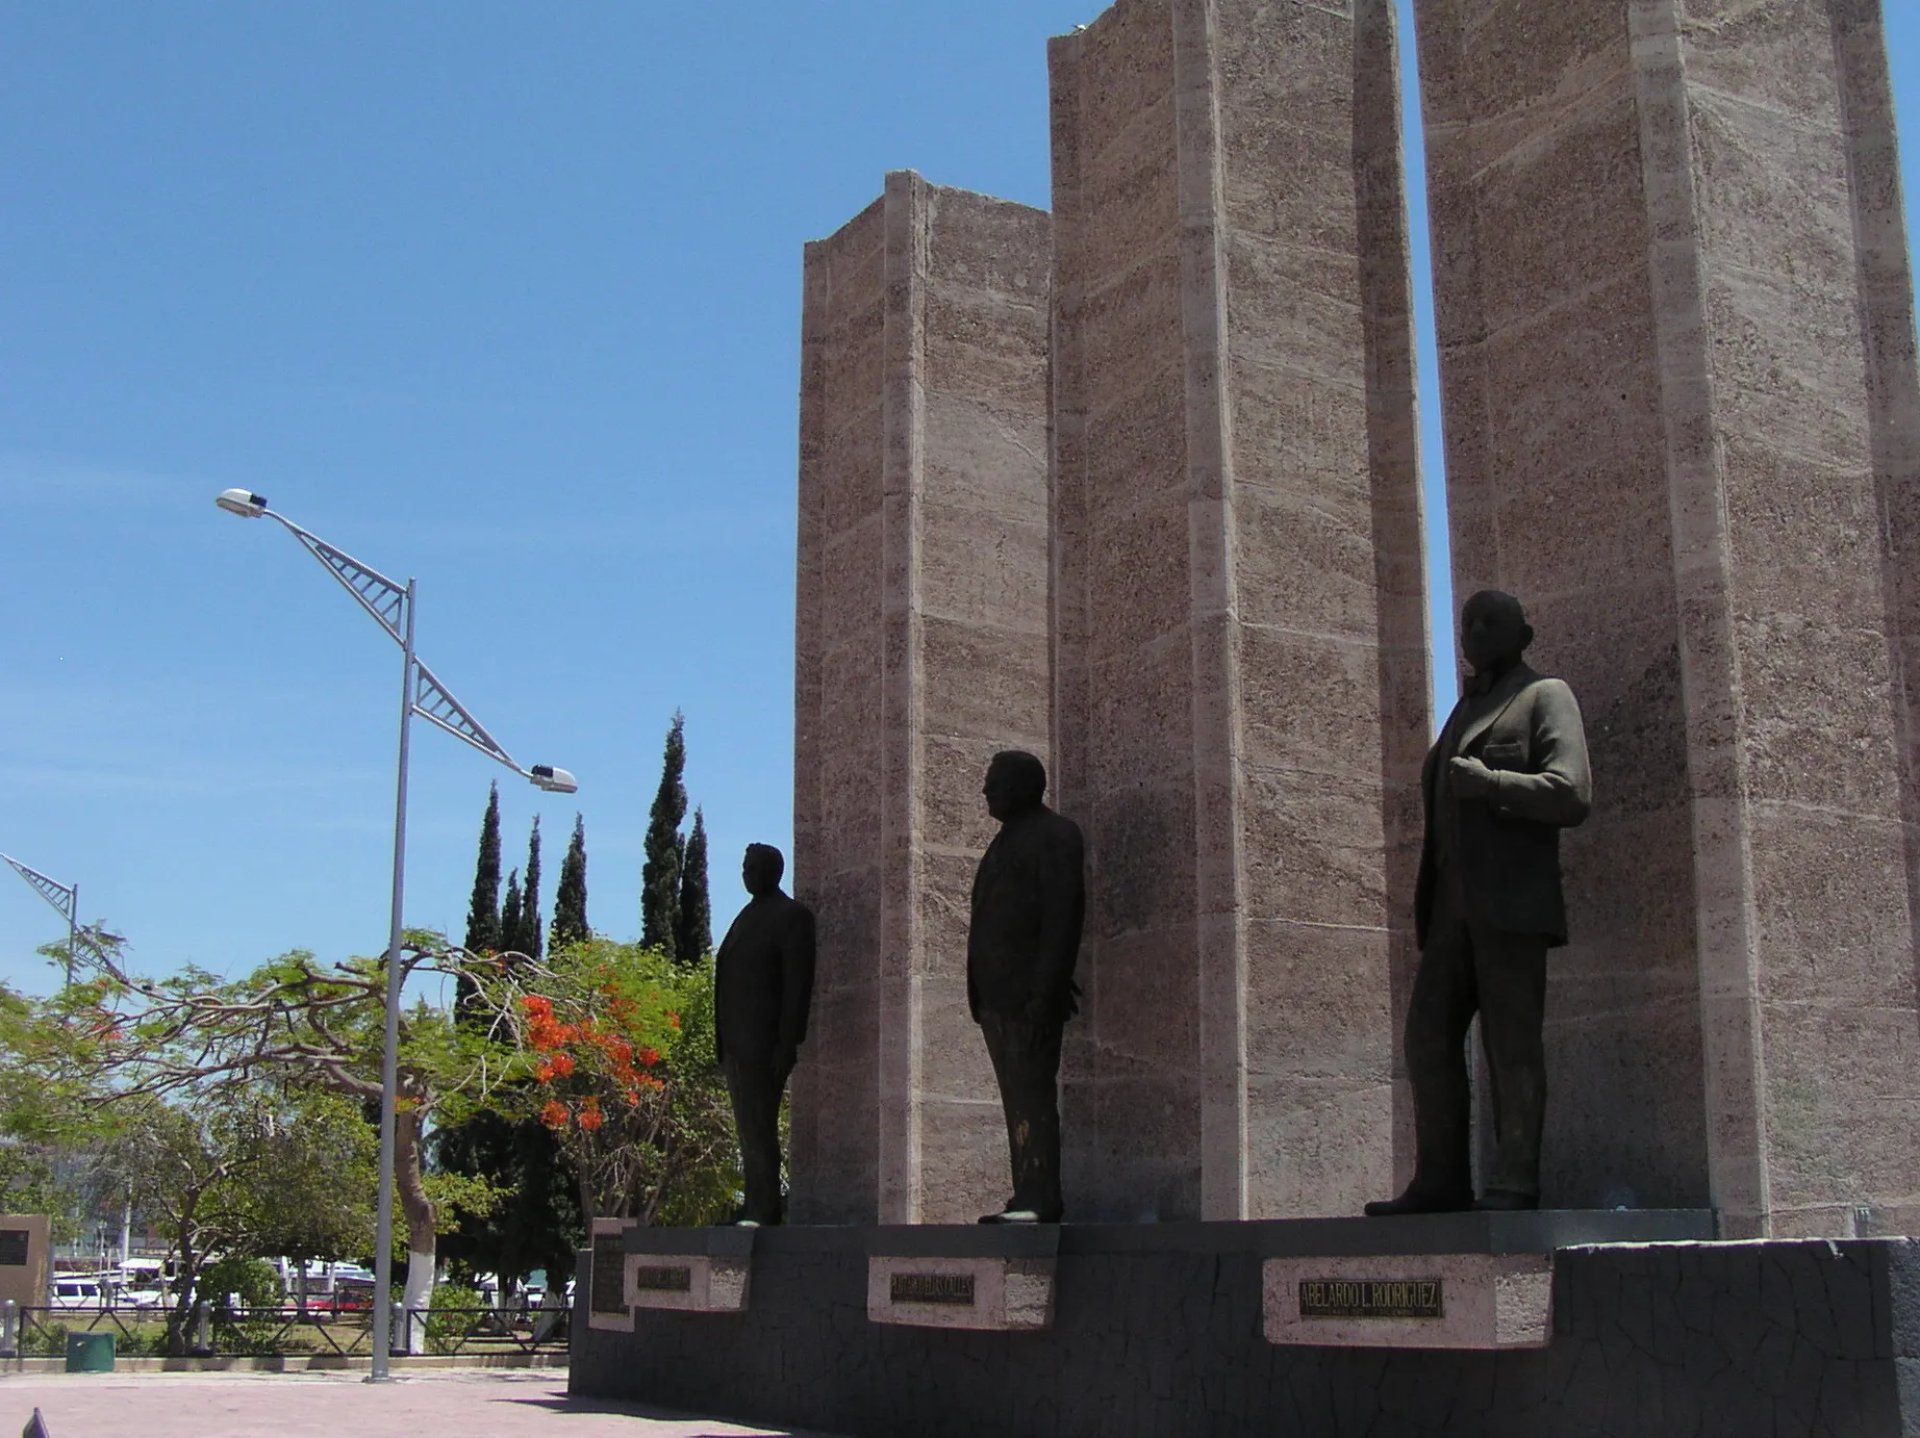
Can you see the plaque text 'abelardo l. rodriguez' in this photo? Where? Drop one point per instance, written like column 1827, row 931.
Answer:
column 1371, row 1298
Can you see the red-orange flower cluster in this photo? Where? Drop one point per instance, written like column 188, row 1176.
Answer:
column 590, row 1047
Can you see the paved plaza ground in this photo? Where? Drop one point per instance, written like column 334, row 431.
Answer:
column 448, row 1404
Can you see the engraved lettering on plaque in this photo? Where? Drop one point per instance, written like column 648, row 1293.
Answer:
column 663, row 1280
column 1371, row 1298
column 609, row 1258
column 950, row 1288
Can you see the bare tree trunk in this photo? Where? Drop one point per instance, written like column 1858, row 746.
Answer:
column 419, row 1213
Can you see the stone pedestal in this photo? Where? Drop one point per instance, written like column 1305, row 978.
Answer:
column 1240, row 640
column 921, row 650
column 687, row 1270
column 24, row 1255
column 1158, row 1328
column 1677, row 363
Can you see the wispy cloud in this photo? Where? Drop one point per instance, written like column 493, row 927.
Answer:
column 49, row 481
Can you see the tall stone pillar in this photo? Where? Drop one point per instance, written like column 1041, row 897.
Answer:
column 1677, row 365
column 1241, row 678
column 921, row 650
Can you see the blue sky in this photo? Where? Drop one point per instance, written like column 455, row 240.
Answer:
column 502, row 296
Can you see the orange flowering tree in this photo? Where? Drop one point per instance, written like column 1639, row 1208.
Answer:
column 617, row 1041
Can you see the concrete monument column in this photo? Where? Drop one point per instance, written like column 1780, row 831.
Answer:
column 1240, row 667
column 921, row 650
column 1677, row 366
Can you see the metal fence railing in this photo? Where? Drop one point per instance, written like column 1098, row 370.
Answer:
column 284, row 1332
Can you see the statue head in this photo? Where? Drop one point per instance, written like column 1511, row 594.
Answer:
column 762, row 869
column 1016, row 782
column 1494, row 632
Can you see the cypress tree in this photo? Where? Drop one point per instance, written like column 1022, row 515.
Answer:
column 510, row 914
column 483, row 910
column 530, row 926
column 570, row 898
column 660, row 878
column 695, row 935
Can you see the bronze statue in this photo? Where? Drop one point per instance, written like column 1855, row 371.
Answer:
column 1507, row 774
column 1029, row 900
column 763, row 988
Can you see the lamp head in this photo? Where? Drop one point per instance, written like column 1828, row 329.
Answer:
column 242, row 503
column 554, row 781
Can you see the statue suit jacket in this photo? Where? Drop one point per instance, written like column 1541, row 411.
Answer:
column 1508, row 845
column 1029, row 901
column 763, row 979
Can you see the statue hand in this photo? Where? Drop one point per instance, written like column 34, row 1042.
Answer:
column 1471, row 779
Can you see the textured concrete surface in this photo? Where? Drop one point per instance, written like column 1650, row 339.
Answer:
column 1677, row 364
column 921, row 649
column 231, row 1405
column 1682, row 1341
column 1240, row 668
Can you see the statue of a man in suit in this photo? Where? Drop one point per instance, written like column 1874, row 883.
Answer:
column 763, row 988
column 1507, row 774
column 1029, row 901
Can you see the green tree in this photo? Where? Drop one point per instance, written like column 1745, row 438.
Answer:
column 694, row 934
column 199, row 1040
column 530, row 938
column 220, row 1168
column 620, row 1042
column 483, row 910
column 536, row 1222
column 510, row 915
column 660, row 877
column 570, row 898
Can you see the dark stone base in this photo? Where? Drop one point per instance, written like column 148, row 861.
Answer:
column 1157, row 1330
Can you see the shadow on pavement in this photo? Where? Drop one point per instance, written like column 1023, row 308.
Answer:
column 564, row 1405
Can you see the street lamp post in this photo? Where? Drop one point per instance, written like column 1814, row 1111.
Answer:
column 65, row 899
column 392, row 607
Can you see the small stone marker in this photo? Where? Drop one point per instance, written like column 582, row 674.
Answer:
column 1454, row 1300
column 1005, row 1294
column 607, row 1306
column 656, row 1278
column 36, row 1427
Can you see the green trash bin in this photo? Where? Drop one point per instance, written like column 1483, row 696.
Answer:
column 90, row 1352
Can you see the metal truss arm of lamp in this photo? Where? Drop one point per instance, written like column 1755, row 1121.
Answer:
column 392, row 607
column 65, row 899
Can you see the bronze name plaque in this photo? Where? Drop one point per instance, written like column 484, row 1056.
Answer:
column 609, row 1256
column 952, row 1288
column 1371, row 1298
column 663, row 1280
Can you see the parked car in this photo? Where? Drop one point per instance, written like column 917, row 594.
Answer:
column 78, row 1293
column 138, row 1298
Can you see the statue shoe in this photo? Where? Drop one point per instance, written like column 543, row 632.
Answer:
column 1411, row 1202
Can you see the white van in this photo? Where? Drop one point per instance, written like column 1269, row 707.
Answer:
column 78, row 1293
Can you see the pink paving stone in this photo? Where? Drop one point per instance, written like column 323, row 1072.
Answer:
column 471, row 1404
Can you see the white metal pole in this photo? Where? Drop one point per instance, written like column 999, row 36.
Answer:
column 390, row 1052
column 73, row 929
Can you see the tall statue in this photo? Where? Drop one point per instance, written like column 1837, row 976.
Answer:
column 1029, row 900
column 763, row 988
column 1507, row 774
